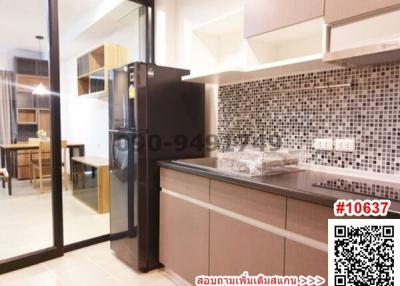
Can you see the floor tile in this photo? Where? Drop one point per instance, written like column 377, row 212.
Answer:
column 75, row 270
column 85, row 267
column 102, row 256
column 163, row 282
column 110, row 281
column 31, row 276
column 131, row 277
column 27, row 217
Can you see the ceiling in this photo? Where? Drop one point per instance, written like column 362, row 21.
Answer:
column 19, row 31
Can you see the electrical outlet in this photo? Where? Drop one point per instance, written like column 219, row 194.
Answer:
column 345, row 145
column 323, row 144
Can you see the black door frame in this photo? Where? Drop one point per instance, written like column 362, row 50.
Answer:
column 54, row 67
column 58, row 249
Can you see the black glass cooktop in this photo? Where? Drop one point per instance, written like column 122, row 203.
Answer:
column 373, row 190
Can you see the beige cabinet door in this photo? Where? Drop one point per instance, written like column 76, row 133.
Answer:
column 236, row 247
column 310, row 220
column 342, row 10
column 303, row 260
column 184, row 237
column 186, row 184
column 262, row 16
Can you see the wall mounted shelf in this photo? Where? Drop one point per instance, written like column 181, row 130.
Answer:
column 93, row 68
column 221, row 54
column 309, row 63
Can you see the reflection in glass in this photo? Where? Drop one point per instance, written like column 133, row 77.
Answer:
column 89, row 51
column 25, row 130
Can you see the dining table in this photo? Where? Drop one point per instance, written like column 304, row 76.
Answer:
column 7, row 150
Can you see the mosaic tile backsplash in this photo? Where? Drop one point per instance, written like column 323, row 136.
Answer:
column 368, row 111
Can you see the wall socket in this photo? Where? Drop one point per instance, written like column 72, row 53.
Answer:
column 323, row 144
column 345, row 145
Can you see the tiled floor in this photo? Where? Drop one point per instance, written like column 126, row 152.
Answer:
column 26, row 220
column 95, row 265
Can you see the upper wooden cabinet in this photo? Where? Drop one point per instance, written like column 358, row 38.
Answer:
column 365, row 41
column 262, row 16
column 28, row 66
column 343, row 10
column 93, row 68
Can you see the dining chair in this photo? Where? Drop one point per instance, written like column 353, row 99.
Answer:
column 46, row 162
column 41, row 164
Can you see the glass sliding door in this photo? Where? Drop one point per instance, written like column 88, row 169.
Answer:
column 95, row 38
column 30, row 202
column 54, row 174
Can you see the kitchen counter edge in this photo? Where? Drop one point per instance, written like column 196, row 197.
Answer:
column 273, row 187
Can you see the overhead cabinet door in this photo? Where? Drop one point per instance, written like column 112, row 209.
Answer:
column 262, row 16
column 342, row 10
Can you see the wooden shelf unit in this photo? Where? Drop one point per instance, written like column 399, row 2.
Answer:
column 26, row 83
column 43, row 115
column 33, row 111
column 34, row 119
column 26, row 116
column 93, row 67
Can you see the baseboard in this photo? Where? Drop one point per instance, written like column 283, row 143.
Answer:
column 178, row 280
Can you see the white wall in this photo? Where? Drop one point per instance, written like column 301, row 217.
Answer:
column 175, row 20
column 84, row 119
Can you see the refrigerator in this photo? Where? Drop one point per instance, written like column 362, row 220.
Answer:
column 153, row 116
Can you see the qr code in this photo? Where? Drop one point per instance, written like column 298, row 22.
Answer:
column 363, row 252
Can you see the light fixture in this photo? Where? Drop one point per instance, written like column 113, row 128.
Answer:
column 40, row 89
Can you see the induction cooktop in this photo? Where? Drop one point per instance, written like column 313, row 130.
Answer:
column 367, row 189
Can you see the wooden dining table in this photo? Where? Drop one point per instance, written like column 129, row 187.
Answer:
column 8, row 149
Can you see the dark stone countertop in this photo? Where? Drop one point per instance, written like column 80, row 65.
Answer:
column 297, row 185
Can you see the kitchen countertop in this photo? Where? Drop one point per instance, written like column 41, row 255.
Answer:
column 297, row 185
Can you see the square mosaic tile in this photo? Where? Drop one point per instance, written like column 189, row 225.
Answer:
column 368, row 111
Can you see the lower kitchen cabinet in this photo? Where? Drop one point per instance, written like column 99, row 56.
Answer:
column 303, row 260
column 236, row 247
column 218, row 228
column 184, row 237
column 310, row 220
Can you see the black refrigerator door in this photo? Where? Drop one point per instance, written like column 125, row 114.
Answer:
column 123, row 198
column 121, row 99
